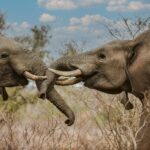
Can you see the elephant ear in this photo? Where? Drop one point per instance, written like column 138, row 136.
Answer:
column 137, row 67
column 133, row 50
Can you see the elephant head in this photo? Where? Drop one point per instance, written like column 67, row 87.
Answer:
column 122, row 65
column 18, row 64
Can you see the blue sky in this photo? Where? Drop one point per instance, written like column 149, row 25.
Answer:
column 78, row 20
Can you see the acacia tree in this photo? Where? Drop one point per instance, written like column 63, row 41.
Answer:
column 40, row 38
column 37, row 39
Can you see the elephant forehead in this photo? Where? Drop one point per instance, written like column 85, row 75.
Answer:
column 9, row 44
column 117, row 45
column 113, row 46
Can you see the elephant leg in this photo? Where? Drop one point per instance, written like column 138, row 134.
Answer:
column 4, row 94
column 125, row 101
column 53, row 96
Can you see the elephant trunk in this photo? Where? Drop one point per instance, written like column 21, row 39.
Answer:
column 64, row 63
column 56, row 99
column 78, row 65
column 47, row 90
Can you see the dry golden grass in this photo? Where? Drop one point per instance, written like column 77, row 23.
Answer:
column 101, row 123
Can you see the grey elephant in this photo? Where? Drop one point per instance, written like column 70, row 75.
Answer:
column 117, row 66
column 122, row 65
column 18, row 64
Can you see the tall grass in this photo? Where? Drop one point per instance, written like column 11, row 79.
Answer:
column 101, row 123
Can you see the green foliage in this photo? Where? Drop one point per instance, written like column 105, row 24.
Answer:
column 17, row 98
column 10, row 106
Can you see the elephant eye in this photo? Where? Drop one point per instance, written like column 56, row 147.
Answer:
column 101, row 56
column 4, row 55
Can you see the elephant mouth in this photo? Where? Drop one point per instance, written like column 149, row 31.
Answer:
column 73, row 77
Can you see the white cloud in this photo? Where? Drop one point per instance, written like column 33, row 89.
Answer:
column 116, row 5
column 67, row 4
column 85, row 3
column 97, row 33
column 74, row 20
column 24, row 25
column 89, row 19
column 90, row 24
column 117, row 2
column 125, row 5
column 93, row 24
column 136, row 5
column 74, row 28
column 57, row 4
column 19, row 27
column 112, row 5
column 47, row 18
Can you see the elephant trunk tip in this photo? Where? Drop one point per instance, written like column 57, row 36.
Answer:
column 42, row 95
column 70, row 121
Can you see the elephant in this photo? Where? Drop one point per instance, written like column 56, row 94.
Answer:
column 118, row 66
column 121, row 65
column 18, row 65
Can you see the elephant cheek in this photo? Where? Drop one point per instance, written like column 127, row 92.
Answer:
column 86, row 69
column 9, row 78
column 18, row 66
column 12, row 80
column 91, row 82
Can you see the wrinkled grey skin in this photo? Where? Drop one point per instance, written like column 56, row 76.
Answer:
column 14, row 61
column 122, row 65
column 117, row 66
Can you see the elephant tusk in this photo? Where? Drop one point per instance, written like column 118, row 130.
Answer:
column 33, row 77
column 68, row 81
column 62, row 78
column 73, row 73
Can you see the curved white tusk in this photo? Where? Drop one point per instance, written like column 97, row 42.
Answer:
column 62, row 78
column 33, row 77
column 68, row 81
column 73, row 73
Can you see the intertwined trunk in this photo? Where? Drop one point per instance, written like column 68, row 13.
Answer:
column 47, row 90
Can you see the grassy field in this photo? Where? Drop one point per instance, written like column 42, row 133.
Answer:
column 102, row 123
